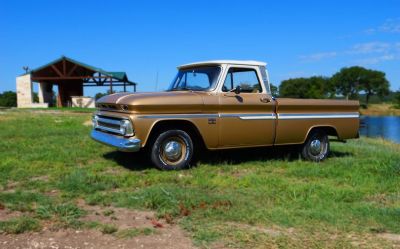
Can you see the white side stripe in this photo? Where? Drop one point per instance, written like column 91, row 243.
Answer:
column 318, row 116
column 255, row 116
column 258, row 117
column 196, row 115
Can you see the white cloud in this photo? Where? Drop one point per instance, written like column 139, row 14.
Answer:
column 295, row 74
column 362, row 53
column 370, row 47
column 318, row 56
column 391, row 25
column 376, row 60
column 370, row 31
column 368, row 53
column 383, row 51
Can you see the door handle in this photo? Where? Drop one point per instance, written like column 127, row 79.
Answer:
column 265, row 99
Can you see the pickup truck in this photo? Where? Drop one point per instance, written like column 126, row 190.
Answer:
column 219, row 105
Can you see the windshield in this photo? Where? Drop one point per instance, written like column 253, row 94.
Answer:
column 195, row 79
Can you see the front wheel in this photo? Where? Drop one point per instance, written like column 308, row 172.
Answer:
column 172, row 150
column 316, row 147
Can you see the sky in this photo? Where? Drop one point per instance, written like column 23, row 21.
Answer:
column 149, row 39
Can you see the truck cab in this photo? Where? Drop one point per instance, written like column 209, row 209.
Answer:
column 244, row 99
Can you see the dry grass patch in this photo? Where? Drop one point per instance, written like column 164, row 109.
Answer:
column 380, row 110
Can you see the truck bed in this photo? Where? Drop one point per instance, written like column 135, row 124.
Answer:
column 296, row 117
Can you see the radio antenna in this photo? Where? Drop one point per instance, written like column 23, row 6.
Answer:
column 156, row 82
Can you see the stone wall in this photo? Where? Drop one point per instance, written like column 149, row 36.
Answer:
column 85, row 102
column 24, row 91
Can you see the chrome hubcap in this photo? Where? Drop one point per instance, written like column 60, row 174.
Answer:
column 315, row 147
column 173, row 150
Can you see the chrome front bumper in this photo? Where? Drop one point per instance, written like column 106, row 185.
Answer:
column 119, row 142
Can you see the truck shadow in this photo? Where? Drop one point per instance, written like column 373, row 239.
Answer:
column 133, row 161
column 139, row 161
column 238, row 156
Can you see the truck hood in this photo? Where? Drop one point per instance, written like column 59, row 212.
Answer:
column 156, row 102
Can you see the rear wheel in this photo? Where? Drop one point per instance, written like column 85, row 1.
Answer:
column 172, row 150
column 316, row 148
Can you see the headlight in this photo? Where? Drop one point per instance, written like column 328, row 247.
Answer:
column 126, row 127
column 94, row 121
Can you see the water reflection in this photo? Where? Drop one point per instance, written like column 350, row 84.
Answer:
column 386, row 127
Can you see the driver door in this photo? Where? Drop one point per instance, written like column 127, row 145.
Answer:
column 246, row 118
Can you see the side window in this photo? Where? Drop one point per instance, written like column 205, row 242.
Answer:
column 246, row 78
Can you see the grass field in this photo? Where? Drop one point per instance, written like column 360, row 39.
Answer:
column 264, row 198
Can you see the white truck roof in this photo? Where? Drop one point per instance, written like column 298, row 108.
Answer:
column 219, row 62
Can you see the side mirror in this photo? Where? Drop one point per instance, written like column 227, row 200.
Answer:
column 236, row 90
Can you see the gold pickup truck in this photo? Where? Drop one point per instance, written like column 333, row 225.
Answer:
column 219, row 105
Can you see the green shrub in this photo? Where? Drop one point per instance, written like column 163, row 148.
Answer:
column 8, row 99
column 66, row 215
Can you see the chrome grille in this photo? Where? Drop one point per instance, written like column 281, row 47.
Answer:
column 109, row 124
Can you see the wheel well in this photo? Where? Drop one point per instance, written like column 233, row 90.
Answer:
column 329, row 130
column 184, row 125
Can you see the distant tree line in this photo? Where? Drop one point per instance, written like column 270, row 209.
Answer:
column 99, row 95
column 348, row 83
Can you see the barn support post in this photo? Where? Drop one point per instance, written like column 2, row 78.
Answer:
column 41, row 92
column 45, row 92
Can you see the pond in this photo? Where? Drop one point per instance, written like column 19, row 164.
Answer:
column 387, row 127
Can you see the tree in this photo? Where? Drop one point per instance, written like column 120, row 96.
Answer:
column 292, row 88
column 274, row 90
column 99, row 95
column 397, row 100
column 8, row 99
column 316, row 87
column 346, row 81
column 374, row 83
column 350, row 81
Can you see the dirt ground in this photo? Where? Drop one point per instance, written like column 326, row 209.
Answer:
column 163, row 235
column 169, row 237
